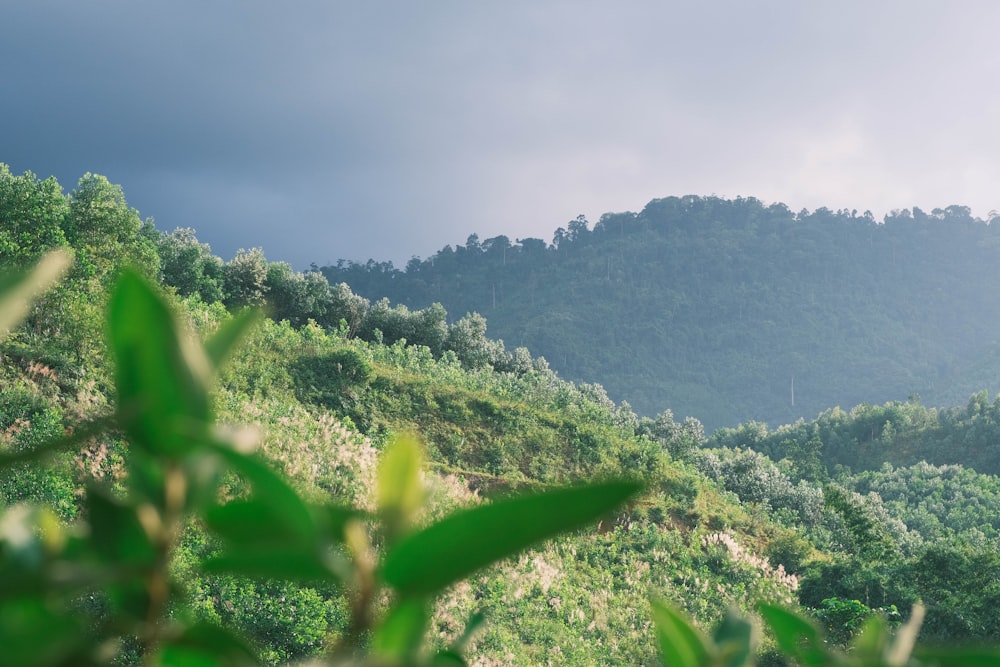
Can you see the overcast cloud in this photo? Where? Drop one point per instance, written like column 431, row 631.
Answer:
column 321, row 130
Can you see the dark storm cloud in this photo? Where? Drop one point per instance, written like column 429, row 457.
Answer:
column 321, row 130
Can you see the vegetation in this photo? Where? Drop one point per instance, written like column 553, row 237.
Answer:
column 868, row 436
column 689, row 302
column 137, row 528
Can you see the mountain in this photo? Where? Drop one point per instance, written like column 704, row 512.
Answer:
column 732, row 310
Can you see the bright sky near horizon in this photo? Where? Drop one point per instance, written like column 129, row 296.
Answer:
column 326, row 129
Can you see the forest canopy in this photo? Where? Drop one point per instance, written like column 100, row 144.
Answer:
column 733, row 310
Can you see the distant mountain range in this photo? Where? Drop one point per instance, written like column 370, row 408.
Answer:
column 731, row 310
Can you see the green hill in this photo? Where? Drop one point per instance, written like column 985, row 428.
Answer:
column 730, row 310
column 331, row 378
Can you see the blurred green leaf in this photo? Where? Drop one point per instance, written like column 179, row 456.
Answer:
column 906, row 637
column 681, row 644
column 31, row 633
column 247, row 523
column 161, row 376
column 471, row 627
column 331, row 519
column 272, row 492
column 208, row 645
column 146, row 476
column 173, row 655
column 118, row 534
column 448, row 659
column 32, row 541
column 273, row 533
column 733, row 641
column 460, row 544
column 221, row 344
column 958, row 656
column 274, row 562
column 796, row 636
column 400, row 490
column 872, row 640
column 17, row 579
column 401, row 632
column 19, row 289
column 128, row 599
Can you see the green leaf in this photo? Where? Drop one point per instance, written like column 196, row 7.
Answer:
column 958, row 656
column 471, row 627
column 31, row 633
column 208, row 645
column 460, row 544
column 906, row 637
column 247, row 523
column 173, row 655
column 400, row 491
column 19, row 289
column 796, row 636
column 448, row 659
column 733, row 641
column 871, row 642
column 681, row 644
column 230, row 332
column 274, row 534
column 161, row 376
column 118, row 534
column 401, row 633
column 331, row 519
column 276, row 562
column 272, row 492
column 16, row 579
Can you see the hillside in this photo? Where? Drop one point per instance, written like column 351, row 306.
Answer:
column 730, row 310
column 331, row 379
column 325, row 403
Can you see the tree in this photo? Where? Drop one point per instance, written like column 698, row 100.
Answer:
column 105, row 232
column 680, row 439
column 32, row 214
column 189, row 266
column 346, row 307
column 864, row 536
column 245, row 278
column 467, row 339
column 297, row 297
column 430, row 328
column 497, row 246
column 577, row 228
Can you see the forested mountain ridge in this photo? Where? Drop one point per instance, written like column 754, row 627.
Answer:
column 731, row 310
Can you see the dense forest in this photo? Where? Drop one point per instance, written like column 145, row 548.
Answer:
column 857, row 515
column 733, row 310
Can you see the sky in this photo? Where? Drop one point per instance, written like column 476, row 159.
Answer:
column 323, row 129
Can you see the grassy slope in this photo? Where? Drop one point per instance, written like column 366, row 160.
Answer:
column 583, row 597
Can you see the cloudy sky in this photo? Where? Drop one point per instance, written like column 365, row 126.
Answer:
column 326, row 129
